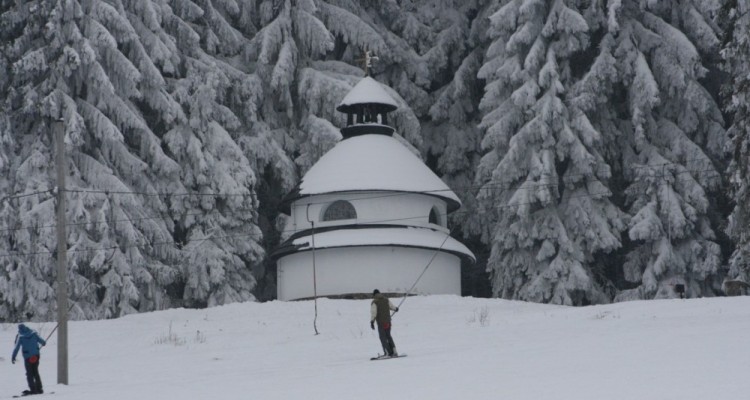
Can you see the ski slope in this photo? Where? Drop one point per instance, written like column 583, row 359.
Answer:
column 459, row 348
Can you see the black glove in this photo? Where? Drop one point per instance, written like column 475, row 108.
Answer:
column 372, row 325
column 396, row 309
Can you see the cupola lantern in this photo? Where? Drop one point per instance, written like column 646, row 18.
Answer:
column 367, row 106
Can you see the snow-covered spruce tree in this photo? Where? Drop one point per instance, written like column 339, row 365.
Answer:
column 290, row 37
column 7, row 213
column 66, row 61
column 480, row 37
column 223, row 148
column 426, row 42
column 217, row 225
column 670, row 139
column 736, row 53
column 452, row 144
column 452, row 137
column 544, row 180
column 16, row 274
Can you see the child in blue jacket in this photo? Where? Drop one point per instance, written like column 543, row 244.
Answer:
column 29, row 341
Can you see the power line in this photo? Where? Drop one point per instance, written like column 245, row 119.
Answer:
column 159, row 194
column 151, row 217
column 260, row 234
column 486, row 186
column 606, row 168
column 18, row 196
column 239, row 211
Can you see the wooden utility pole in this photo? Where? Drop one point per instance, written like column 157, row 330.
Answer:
column 62, row 256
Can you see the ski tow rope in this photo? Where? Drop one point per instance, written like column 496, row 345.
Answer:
column 423, row 271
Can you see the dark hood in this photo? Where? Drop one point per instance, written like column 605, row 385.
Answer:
column 24, row 330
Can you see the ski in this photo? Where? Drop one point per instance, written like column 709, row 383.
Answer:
column 31, row 394
column 387, row 357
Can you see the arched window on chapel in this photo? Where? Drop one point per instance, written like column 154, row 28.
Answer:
column 339, row 209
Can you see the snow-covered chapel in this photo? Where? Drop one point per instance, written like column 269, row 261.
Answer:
column 373, row 213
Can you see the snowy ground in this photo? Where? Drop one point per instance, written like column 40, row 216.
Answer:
column 459, row 348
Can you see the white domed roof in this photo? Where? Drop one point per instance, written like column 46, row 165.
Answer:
column 367, row 91
column 373, row 162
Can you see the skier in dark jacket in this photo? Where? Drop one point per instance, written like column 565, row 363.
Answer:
column 380, row 312
column 29, row 341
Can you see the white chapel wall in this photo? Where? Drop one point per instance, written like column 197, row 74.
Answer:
column 395, row 208
column 362, row 269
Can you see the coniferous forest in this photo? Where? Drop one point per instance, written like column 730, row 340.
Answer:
column 601, row 148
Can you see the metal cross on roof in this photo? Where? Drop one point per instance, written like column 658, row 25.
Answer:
column 366, row 61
